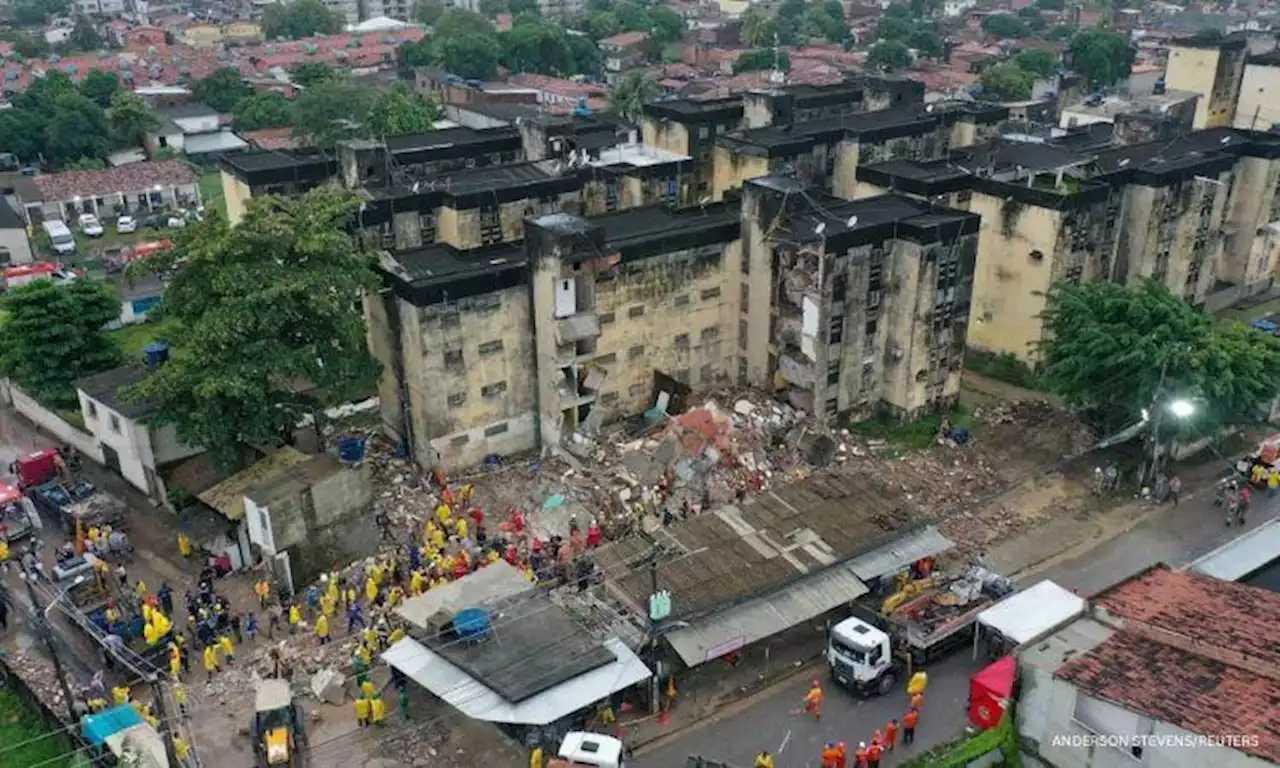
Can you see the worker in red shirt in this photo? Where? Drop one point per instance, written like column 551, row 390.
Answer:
column 909, row 722
column 829, row 755
column 917, row 701
column 874, row 753
column 842, row 755
column 813, row 701
column 891, row 735
column 860, row 755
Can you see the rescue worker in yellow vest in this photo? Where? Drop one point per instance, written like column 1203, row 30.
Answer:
column 121, row 694
column 322, row 629
column 379, row 709
column 181, row 750
column 210, row 661
column 184, row 545
column 362, row 712
column 918, row 683
column 535, row 758
column 224, row 645
column 763, row 760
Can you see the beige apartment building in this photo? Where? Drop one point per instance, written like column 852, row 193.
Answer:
column 1212, row 68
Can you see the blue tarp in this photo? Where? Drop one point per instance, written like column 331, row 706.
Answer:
column 107, row 723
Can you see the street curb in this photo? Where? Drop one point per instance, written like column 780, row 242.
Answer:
column 728, row 710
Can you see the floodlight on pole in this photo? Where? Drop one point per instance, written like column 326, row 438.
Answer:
column 1182, row 408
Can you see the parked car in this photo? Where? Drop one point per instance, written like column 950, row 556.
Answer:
column 90, row 225
column 126, row 224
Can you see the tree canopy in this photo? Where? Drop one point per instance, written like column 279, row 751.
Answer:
column 309, row 73
column 55, row 119
column 100, row 85
column 129, row 119
column 630, row 95
column 1102, row 58
column 762, row 60
column 264, row 109
column 1007, row 82
column 53, row 335
column 37, row 13
column 890, row 55
column 340, row 109
column 428, row 11
column 472, row 56
column 1005, row 27
column 1039, row 63
column 267, row 324
column 1106, row 345
column 300, row 18
column 222, row 90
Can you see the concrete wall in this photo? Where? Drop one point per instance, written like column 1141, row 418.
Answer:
column 1214, row 74
column 1247, row 259
column 731, row 169
column 1009, row 280
column 1259, row 106
column 51, row 422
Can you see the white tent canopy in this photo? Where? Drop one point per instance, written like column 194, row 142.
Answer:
column 1031, row 613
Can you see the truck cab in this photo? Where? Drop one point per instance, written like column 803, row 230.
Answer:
column 580, row 749
column 860, row 657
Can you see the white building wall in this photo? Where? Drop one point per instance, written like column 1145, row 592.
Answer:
column 131, row 440
column 1048, row 715
column 1259, row 106
column 258, row 523
column 16, row 243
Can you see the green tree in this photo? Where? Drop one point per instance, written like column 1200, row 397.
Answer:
column 264, row 109
column 1042, row 64
column 1060, row 34
column 898, row 12
column 757, row 28
column 633, row 16
column 76, row 128
column 309, row 73
column 86, row 164
column 491, row 8
column 923, row 9
column 22, row 133
column 786, row 30
column 457, row 23
column 890, row 55
column 37, row 13
column 791, row 9
column 411, row 55
column 630, row 95
column 331, row 112
column 536, row 46
column 399, row 111
column 665, row 25
column 894, row 29
column 27, row 46
column 99, row 86
column 1106, row 346
column 816, row 22
column 1032, row 18
column 129, row 119
column 52, row 336
column 601, row 24
column 1050, row 5
column 517, row 7
column 298, row 19
column 1102, row 58
column 1007, row 82
column 259, row 308
column 222, row 90
column 925, row 43
column 84, row 36
column 762, row 60
column 428, row 11
column 471, row 56
column 1005, row 27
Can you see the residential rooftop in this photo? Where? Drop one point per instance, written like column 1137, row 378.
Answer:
column 109, row 387
column 127, row 179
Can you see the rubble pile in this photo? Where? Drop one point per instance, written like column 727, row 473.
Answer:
column 40, row 677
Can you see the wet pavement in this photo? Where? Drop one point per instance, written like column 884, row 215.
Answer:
column 766, row 720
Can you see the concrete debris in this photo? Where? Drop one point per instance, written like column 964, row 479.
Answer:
column 328, row 685
column 40, row 677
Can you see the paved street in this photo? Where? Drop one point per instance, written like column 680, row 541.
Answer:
column 765, row 721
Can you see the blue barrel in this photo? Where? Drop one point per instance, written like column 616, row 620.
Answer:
column 351, row 449
column 155, row 354
column 471, row 623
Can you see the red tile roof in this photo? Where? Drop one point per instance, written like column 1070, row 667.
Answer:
column 271, row 138
column 1196, row 652
column 135, row 177
column 625, row 40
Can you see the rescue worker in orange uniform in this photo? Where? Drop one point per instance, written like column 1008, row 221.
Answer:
column 829, row 755
column 874, row 753
column 860, row 755
column 917, row 701
column 909, row 721
column 842, row 755
column 813, row 701
column 891, row 735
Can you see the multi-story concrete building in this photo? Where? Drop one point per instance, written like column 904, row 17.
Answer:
column 1183, row 212
column 1214, row 69
column 1259, row 106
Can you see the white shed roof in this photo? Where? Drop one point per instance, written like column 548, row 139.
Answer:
column 1033, row 612
column 473, row 699
column 1242, row 555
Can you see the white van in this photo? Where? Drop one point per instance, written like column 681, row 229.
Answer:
column 61, row 237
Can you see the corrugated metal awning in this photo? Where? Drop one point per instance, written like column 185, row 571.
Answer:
column 902, row 552
column 1243, row 555
column 741, row 625
column 473, row 699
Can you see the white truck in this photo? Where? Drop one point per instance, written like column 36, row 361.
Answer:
column 580, row 749
column 60, row 236
column 860, row 657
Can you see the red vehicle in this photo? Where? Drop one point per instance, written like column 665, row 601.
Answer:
column 145, row 250
column 36, row 468
column 26, row 273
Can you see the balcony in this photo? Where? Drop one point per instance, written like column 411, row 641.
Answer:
column 575, row 328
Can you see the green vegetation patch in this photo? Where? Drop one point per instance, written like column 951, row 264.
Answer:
column 21, row 723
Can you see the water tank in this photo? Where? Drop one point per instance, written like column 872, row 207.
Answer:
column 472, row 624
column 351, row 449
column 155, row 354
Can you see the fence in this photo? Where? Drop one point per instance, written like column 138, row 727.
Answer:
column 49, row 421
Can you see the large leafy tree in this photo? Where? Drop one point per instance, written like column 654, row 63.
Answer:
column 1107, row 347
column 757, row 28
column 1008, row 82
column 84, row 36
column 129, row 118
column 471, row 55
column 222, row 90
column 890, row 55
column 762, row 60
column 76, row 128
column 53, row 335
column 401, row 112
column 665, row 25
column 264, row 109
column 99, row 86
column 601, row 24
column 411, row 55
column 1005, row 27
column 630, row 95
column 1039, row 63
column 926, row 44
column 332, row 112
column 1103, row 58
column 267, row 323
column 300, row 18
column 428, row 11
column 310, row 73
column 457, row 23
column 37, row 13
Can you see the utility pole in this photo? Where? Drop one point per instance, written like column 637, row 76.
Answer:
column 42, row 623
column 659, row 609
column 162, row 714
column 1157, row 412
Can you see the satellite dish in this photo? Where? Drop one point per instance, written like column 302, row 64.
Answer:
column 852, row 222
column 820, row 228
column 1124, row 162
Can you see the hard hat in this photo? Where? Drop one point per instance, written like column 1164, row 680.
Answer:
column 862, row 744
